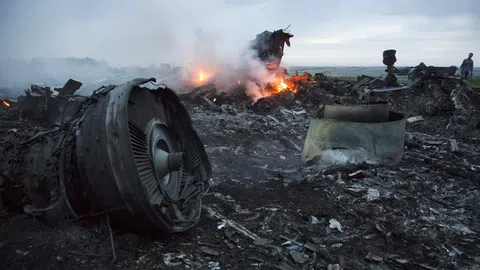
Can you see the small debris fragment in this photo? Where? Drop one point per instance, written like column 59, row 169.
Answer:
column 231, row 223
column 414, row 119
column 288, row 143
column 372, row 195
column 334, row 267
column 453, row 145
column 457, row 251
column 69, row 88
column 334, row 224
column 299, row 257
column 262, row 241
column 209, row 102
column 230, row 245
column 210, row 251
column 221, row 225
column 357, row 174
column 283, row 266
column 167, row 258
column 373, row 257
column 460, row 228
column 314, row 220
column 299, row 112
column 214, row 265
column 21, row 252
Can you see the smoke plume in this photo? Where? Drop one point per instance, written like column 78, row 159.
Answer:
column 238, row 66
column 113, row 41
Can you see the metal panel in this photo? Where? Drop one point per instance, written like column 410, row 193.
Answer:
column 381, row 143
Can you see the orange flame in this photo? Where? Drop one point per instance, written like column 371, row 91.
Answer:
column 5, row 103
column 281, row 86
column 284, row 84
column 201, row 77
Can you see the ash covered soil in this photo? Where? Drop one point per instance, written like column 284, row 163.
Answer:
column 421, row 214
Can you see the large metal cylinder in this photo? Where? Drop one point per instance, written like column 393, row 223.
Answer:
column 375, row 141
column 130, row 152
column 116, row 145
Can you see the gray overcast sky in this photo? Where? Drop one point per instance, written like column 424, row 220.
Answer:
column 144, row 32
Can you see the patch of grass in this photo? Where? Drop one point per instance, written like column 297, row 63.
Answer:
column 354, row 78
column 474, row 82
column 346, row 78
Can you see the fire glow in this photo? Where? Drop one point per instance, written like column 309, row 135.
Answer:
column 283, row 85
column 201, row 77
column 260, row 86
column 5, row 103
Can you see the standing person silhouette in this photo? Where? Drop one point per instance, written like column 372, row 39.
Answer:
column 467, row 67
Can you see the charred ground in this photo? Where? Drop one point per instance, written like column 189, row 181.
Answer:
column 421, row 214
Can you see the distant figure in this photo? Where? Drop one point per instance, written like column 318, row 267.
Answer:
column 467, row 66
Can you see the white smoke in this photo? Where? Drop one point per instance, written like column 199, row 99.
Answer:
column 253, row 90
column 239, row 66
column 127, row 34
column 344, row 157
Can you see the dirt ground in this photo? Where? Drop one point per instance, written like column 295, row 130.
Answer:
column 422, row 214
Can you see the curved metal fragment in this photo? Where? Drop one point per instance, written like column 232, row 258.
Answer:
column 363, row 113
column 337, row 142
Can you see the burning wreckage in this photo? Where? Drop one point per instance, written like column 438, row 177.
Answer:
column 387, row 194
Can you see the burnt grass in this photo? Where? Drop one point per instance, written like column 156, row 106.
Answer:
column 421, row 214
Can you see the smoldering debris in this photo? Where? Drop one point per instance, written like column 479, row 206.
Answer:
column 352, row 214
column 429, row 92
column 381, row 210
column 267, row 209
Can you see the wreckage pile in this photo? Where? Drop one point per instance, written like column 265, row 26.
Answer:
column 432, row 92
column 270, row 211
column 266, row 209
column 124, row 152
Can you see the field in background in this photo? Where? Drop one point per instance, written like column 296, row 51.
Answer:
column 474, row 82
column 353, row 72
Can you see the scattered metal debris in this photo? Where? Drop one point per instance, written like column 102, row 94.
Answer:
column 420, row 213
column 414, row 119
column 232, row 224
column 70, row 87
column 146, row 163
column 334, row 224
column 453, row 145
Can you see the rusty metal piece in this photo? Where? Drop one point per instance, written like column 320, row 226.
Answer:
column 348, row 140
